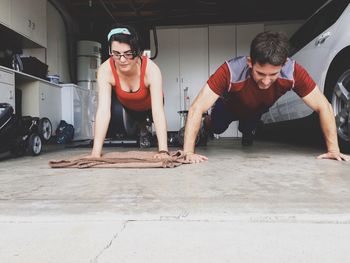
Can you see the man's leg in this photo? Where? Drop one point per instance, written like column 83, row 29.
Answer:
column 220, row 117
column 248, row 128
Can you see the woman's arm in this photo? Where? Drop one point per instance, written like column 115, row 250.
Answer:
column 154, row 78
column 103, row 113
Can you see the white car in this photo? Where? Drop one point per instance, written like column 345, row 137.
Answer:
column 322, row 46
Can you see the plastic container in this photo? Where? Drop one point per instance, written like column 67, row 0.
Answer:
column 53, row 78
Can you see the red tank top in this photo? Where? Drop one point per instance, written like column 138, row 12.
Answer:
column 139, row 100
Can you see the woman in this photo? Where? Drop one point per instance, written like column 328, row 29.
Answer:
column 137, row 82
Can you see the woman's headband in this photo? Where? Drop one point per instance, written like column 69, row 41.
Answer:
column 119, row 30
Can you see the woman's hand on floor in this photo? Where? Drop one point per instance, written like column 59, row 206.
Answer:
column 195, row 158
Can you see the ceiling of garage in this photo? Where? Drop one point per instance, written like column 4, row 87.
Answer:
column 166, row 12
column 95, row 17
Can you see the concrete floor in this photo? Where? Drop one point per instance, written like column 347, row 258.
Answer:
column 273, row 202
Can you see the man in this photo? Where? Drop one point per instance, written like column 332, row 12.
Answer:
column 243, row 88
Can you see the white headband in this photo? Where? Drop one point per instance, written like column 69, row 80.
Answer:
column 119, row 30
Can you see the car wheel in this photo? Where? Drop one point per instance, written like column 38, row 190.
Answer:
column 338, row 93
column 45, row 129
column 34, row 144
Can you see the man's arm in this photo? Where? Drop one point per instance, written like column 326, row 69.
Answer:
column 205, row 99
column 103, row 113
column 318, row 102
column 155, row 79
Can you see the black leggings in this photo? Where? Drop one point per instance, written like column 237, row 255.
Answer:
column 221, row 118
column 125, row 121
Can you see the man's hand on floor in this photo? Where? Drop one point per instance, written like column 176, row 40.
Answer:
column 335, row 156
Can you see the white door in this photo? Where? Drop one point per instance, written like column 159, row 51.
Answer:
column 194, row 70
column 168, row 60
column 222, row 46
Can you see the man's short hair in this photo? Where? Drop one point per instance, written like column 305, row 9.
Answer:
column 269, row 48
column 131, row 38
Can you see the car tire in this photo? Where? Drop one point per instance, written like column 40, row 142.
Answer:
column 34, row 144
column 337, row 91
column 45, row 129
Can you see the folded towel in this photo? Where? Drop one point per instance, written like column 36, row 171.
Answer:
column 130, row 159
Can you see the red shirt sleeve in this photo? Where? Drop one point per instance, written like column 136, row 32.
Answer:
column 304, row 84
column 220, row 80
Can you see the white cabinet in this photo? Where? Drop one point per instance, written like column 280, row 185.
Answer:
column 29, row 19
column 5, row 12
column 78, row 109
column 168, row 60
column 194, row 70
column 222, row 45
column 39, row 18
column 21, row 17
column 7, row 87
column 41, row 99
column 183, row 60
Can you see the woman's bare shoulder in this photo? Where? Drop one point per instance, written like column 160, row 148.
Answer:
column 105, row 66
column 105, row 72
column 152, row 67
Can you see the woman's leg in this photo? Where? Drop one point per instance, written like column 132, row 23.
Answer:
column 116, row 124
column 139, row 124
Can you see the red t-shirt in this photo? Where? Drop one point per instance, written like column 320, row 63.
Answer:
column 139, row 100
column 233, row 82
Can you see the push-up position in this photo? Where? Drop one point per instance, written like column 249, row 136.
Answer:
column 137, row 82
column 244, row 88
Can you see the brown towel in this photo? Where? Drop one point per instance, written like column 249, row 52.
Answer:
column 130, row 159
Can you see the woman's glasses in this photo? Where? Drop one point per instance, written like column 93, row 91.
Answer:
column 127, row 55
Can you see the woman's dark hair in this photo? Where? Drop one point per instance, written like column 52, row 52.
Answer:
column 132, row 39
column 270, row 48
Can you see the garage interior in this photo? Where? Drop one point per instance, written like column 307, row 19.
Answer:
column 272, row 202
